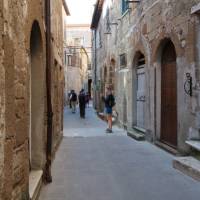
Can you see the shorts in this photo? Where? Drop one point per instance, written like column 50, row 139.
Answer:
column 108, row 110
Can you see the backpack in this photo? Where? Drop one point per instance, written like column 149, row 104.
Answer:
column 74, row 97
column 111, row 101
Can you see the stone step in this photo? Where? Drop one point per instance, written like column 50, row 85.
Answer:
column 195, row 144
column 189, row 166
column 35, row 184
column 142, row 130
column 167, row 148
column 137, row 135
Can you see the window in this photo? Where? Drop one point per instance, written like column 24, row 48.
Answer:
column 65, row 55
column 123, row 60
column 99, row 37
column 141, row 60
column 69, row 60
column 124, row 6
column 73, row 60
column 89, row 67
column 108, row 28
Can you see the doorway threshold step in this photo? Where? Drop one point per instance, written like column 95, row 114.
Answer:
column 137, row 135
column 189, row 166
column 142, row 130
column 167, row 148
column 35, row 184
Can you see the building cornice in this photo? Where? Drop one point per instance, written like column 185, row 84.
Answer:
column 66, row 8
column 97, row 14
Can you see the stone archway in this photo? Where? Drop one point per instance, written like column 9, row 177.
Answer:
column 168, row 95
column 139, row 91
column 37, row 100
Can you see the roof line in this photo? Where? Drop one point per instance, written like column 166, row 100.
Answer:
column 66, row 8
column 97, row 14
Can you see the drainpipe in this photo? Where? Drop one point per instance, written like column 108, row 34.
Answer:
column 48, row 176
column 95, row 66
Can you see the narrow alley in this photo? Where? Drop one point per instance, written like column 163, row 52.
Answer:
column 93, row 165
column 134, row 66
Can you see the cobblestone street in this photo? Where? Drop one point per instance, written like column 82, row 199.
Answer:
column 92, row 165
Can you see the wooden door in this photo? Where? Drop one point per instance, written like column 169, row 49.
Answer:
column 140, row 96
column 169, row 96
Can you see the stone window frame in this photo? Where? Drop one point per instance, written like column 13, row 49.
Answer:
column 69, row 60
column 123, row 60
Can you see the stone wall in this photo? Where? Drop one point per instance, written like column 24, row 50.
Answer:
column 16, row 63
column 144, row 28
column 57, row 71
column 2, row 101
column 20, row 23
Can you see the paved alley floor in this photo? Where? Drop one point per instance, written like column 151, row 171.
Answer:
column 93, row 165
column 91, row 126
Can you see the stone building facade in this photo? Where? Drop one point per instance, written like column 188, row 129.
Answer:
column 23, row 102
column 77, row 57
column 148, row 51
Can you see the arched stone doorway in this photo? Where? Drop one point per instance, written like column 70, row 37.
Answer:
column 139, row 91
column 169, row 95
column 37, row 101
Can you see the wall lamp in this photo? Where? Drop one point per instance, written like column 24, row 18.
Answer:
column 188, row 84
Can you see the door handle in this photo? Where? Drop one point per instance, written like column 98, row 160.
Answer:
column 142, row 98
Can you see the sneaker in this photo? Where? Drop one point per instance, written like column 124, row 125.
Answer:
column 108, row 130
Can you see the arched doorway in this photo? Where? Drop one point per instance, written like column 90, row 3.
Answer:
column 140, row 90
column 169, row 95
column 37, row 102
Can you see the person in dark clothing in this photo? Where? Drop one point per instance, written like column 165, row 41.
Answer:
column 87, row 99
column 70, row 102
column 82, row 103
column 73, row 99
column 109, row 102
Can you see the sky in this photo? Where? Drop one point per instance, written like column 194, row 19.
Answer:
column 81, row 11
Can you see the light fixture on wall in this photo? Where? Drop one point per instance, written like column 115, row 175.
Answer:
column 188, row 84
column 108, row 23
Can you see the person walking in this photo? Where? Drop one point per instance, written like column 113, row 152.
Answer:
column 109, row 101
column 69, row 95
column 82, row 103
column 73, row 100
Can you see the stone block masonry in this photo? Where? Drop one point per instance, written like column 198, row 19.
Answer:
column 143, row 31
column 22, row 31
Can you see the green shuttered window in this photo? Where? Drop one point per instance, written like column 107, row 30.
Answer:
column 124, row 6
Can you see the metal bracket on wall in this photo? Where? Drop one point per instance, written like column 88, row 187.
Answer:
column 188, row 84
column 136, row 1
